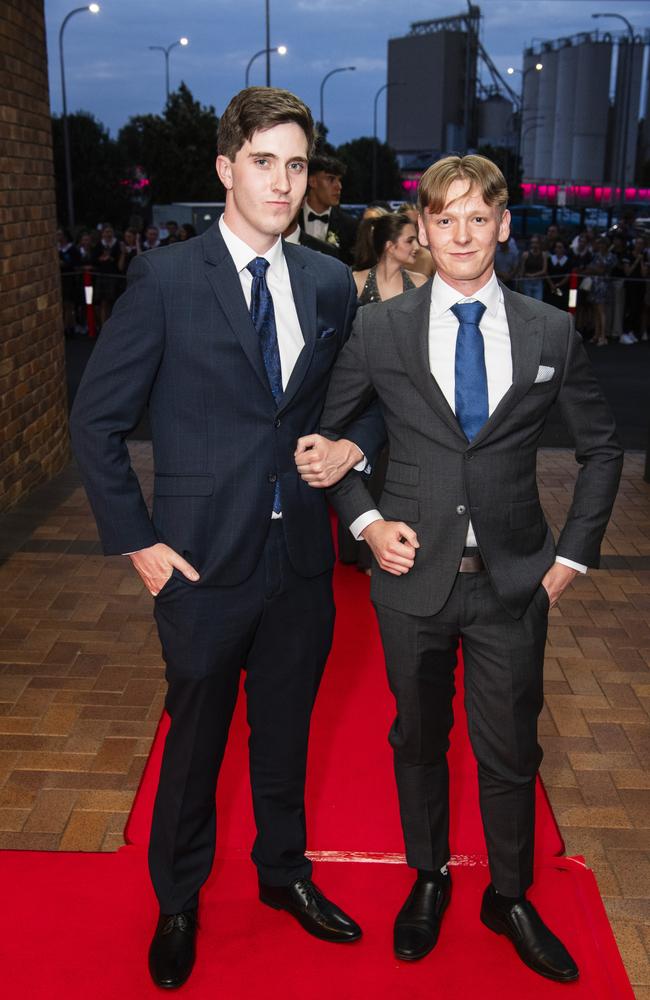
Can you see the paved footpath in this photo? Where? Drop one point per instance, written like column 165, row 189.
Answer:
column 81, row 690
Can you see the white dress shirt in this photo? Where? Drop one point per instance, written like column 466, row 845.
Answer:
column 315, row 228
column 443, row 331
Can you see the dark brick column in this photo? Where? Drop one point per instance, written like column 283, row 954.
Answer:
column 33, row 412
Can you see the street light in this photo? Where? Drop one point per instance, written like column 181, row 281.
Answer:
column 627, row 97
column 92, row 8
column 280, row 49
column 341, row 69
column 161, row 48
column 397, row 83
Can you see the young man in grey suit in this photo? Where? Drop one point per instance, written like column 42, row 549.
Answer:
column 229, row 339
column 466, row 372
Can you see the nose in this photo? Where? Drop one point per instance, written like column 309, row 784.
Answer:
column 462, row 233
column 281, row 180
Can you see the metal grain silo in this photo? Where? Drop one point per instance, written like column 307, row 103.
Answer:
column 529, row 112
column 545, row 115
column 567, row 71
column 591, row 103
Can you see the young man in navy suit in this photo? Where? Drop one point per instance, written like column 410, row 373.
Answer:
column 229, row 339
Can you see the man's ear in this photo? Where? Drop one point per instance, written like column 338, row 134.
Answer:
column 504, row 227
column 224, row 171
column 423, row 239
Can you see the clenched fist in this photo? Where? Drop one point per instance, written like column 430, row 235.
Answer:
column 393, row 545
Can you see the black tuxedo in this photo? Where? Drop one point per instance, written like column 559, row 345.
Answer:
column 343, row 229
column 436, row 481
column 181, row 341
column 320, row 245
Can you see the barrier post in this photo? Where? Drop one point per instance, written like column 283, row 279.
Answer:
column 573, row 292
column 90, row 309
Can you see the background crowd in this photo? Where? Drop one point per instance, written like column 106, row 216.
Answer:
column 381, row 247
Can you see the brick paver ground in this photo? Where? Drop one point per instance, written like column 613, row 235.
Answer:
column 81, row 690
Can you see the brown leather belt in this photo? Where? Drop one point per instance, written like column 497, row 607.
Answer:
column 471, row 562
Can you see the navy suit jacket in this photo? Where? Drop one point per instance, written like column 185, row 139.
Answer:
column 181, row 342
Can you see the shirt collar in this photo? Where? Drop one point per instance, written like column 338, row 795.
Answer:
column 293, row 237
column 443, row 296
column 242, row 254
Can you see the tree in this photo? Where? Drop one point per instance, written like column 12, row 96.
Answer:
column 176, row 150
column 357, row 156
column 509, row 165
column 96, row 172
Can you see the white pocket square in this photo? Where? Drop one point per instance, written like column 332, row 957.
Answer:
column 544, row 374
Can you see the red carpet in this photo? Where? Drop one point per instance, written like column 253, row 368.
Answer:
column 78, row 925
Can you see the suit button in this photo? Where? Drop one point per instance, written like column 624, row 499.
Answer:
column 272, row 477
column 468, row 455
column 461, row 509
column 277, row 422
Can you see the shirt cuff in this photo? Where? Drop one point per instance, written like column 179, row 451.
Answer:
column 361, row 523
column 363, row 465
column 571, row 564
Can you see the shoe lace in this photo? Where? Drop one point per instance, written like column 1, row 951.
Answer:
column 307, row 889
column 179, row 921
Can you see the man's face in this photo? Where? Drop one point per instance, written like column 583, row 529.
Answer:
column 463, row 237
column 152, row 234
column 265, row 184
column 326, row 188
column 172, row 229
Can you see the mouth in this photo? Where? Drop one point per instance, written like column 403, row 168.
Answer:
column 464, row 256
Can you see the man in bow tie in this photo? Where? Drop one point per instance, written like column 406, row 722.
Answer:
column 229, row 339
column 322, row 217
column 466, row 372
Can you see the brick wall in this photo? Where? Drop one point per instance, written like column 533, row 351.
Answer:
column 33, row 411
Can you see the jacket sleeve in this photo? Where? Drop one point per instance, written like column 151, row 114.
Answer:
column 109, row 404
column 597, row 451
column 350, row 398
column 366, row 428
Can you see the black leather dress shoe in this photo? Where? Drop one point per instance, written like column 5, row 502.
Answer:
column 417, row 924
column 173, row 949
column 320, row 917
column 536, row 945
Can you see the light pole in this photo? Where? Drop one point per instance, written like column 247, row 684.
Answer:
column 374, row 134
column 93, row 8
column 627, row 97
column 341, row 69
column 161, row 48
column 538, row 67
column 281, row 51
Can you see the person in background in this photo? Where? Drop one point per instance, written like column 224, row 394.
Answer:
column 105, row 257
column 423, row 262
column 151, row 238
column 186, row 232
column 581, row 259
column 172, row 233
column 364, row 251
column 558, row 267
column 618, row 270
column 533, row 270
column 551, row 238
column 129, row 249
column 600, row 290
column 294, row 234
column 506, row 262
column 322, row 215
column 68, row 260
column 395, row 243
column 635, row 272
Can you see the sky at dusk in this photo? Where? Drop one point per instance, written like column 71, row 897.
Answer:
column 111, row 72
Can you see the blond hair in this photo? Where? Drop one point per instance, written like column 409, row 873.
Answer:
column 478, row 171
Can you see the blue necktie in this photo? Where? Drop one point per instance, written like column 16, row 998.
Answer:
column 471, row 394
column 263, row 317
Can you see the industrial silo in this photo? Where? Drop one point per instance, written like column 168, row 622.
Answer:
column 529, row 128
column 627, row 105
column 544, row 115
column 591, row 102
column 567, row 71
column 495, row 125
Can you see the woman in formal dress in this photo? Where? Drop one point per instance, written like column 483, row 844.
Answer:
column 395, row 245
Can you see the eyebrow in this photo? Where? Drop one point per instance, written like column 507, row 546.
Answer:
column 273, row 156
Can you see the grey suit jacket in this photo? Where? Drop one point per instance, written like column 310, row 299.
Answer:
column 436, row 480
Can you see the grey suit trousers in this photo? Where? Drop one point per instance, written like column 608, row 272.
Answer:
column 504, row 660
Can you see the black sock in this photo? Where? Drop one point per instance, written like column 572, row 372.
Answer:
column 440, row 876
column 507, row 901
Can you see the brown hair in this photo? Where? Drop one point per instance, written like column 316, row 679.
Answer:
column 257, row 109
column 478, row 171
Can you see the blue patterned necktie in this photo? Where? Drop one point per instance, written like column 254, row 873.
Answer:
column 471, row 393
column 263, row 317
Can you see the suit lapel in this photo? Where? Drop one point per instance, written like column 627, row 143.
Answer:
column 226, row 285
column 526, row 330
column 409, row 319
column 303, row 286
